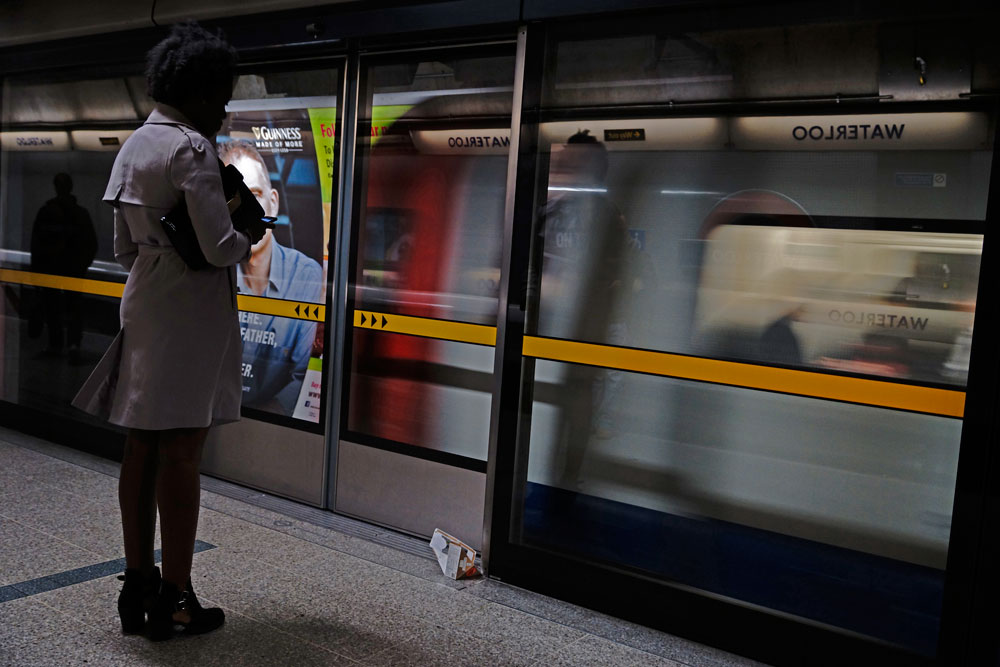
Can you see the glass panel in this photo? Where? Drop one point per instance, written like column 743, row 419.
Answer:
column 58, row 140
column 428, row 242
column 831, row 511
column 280, row 133
column 284, row 124
column 760, row 262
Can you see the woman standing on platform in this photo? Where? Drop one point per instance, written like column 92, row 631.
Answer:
column 174, row 369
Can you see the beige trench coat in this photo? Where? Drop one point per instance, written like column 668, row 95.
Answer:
column 176, row 361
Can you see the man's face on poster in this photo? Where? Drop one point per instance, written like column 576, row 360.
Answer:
column 259, row 183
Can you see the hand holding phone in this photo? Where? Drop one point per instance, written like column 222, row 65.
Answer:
column 257, row 227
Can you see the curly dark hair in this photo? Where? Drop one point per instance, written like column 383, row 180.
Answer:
column 188, row 62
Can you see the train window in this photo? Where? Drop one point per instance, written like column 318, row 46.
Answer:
column 748, row 339
column 428, row 237
column 736, row 224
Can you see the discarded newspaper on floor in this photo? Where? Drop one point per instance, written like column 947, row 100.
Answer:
column 457, row 559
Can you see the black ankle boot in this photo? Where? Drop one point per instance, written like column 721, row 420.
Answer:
column 178, row 611
column 136, row 599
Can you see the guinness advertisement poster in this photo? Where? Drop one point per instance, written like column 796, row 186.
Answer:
column 286, row 158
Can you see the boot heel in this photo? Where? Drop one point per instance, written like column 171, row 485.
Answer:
column 133, row 623
column 161, row 615
column 161, row 628
column 135, row 599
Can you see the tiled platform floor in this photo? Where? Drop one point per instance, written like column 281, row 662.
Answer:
column 295, row 593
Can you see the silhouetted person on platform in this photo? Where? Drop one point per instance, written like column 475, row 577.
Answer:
column 63, row 243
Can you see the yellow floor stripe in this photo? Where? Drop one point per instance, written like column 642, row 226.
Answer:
column 427, row 327
column 298, row 310
column 804, row 383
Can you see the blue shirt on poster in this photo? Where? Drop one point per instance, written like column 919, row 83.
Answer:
column 276, row 349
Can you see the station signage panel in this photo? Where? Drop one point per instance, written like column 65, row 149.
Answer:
column 99, row 140
column 31, row 140
column 958, row 130
column 953, row 130
column 647, row 134
column 491, row 141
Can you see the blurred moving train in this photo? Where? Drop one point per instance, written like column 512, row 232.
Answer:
column 713, row 269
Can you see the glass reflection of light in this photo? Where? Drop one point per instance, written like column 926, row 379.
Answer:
column 566, row 188
column 702, row 193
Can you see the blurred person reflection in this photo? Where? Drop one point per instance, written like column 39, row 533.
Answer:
column 956, row 366
column 583, row 245
column 63, row 242
column 778, row 343
column 174, row 369
column 276, row 350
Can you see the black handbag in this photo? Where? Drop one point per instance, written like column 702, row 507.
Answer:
column 244, row 211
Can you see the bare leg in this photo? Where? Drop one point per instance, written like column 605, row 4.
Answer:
column 137, row 498
column 178, row 495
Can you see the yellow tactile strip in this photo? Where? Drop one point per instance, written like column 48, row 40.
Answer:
column 930, row 400
column 427, row 327
column 880, row 393
column 298, row 310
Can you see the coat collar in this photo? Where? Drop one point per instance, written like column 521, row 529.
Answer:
column 164, row 114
